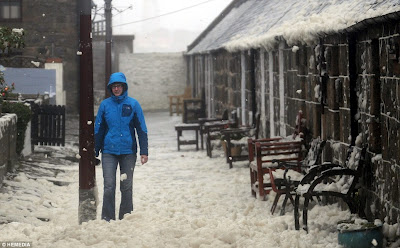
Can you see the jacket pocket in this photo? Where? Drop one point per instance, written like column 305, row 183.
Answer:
column 126, row 110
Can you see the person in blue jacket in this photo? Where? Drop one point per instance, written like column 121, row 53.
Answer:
column 119, row 119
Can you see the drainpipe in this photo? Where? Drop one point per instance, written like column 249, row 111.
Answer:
column 243, row 87
column 253, row 85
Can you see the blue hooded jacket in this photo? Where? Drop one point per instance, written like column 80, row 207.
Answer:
column 117, row 119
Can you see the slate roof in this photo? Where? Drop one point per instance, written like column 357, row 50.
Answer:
column 248, row 24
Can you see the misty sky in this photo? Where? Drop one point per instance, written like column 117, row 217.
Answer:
column 168, row 33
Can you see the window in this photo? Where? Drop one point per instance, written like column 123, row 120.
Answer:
column 10, row 10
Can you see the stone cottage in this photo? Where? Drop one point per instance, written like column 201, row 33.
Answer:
column 337, row 61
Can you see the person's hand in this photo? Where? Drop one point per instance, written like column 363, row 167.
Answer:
column 143, row 159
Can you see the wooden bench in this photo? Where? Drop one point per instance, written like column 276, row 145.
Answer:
column 330, row 180
column 260, row 166
column 187, row 127
column 266, row 153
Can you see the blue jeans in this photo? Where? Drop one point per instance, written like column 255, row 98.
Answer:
column 126, row 166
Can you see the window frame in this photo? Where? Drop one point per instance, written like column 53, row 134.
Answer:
column 9, row 3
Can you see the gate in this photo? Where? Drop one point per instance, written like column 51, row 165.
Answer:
column 48, row 125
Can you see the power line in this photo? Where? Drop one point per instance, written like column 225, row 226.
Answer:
column 169, row 13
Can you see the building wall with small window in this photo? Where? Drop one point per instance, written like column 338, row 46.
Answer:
column 51, row 31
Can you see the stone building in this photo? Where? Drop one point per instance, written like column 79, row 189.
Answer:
column 52, row 42
column 337, row 61
column 51, row 36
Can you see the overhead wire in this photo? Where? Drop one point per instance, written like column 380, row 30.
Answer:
column 161, row 15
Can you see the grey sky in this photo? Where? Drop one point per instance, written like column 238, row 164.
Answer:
column 175, row 30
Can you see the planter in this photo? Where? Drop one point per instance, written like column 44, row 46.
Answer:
column 235, row 150
column 363, row 235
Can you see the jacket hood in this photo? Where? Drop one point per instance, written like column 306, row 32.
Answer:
column 118, row 77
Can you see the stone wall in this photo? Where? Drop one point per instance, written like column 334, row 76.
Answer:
column 361, row 103
column 227, row 79
column 153, row 76
column 8, row 143
column 347, row 86
column 378, row 83
column 227, row 73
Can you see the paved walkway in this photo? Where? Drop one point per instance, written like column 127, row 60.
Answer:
column 181, row 199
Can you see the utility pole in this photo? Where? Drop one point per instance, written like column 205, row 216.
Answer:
column 87, row 199
column 108, row 16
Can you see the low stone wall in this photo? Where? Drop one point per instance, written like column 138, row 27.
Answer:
column 8, row 143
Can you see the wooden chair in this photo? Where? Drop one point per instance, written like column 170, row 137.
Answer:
column 213, row 129
column 291, row 178
column 246, row 133
column 202, row 121
column 176, row 101
column 330, row 180
column 193, row 109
